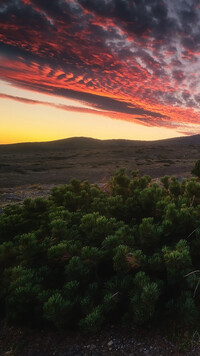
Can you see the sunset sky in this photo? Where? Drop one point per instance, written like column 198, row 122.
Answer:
column 99, row 68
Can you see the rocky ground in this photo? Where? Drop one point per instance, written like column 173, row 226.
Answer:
column 110, row 341
column 17, row 194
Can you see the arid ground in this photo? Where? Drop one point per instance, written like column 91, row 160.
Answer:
column 31, row 169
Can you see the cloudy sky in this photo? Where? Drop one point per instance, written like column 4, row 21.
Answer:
column 99, row 68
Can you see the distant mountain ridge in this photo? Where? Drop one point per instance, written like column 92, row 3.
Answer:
column 56, row 162
column 88, row 142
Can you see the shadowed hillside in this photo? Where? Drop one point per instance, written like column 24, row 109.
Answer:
column 56, row 162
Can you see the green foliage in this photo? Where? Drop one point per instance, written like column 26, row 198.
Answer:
column 165, row 182
column 145, row 295
column 21, row 290
column 120, row 261
column 155, row 262
column 59, row 252
column 177, row 261
column 8, row 253
column 149, row 234
column 119, row 184
column 84, row 257
column 196, row 169
column 58, row 310
column 183, row 311
column 93, row 321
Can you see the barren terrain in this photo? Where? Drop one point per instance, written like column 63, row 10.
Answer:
column 31, row 169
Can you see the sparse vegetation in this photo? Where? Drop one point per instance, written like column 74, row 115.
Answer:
column 58, row 162
column 196, row 169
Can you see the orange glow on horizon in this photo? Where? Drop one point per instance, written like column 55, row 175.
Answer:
column 72, row 68
column 24, row 122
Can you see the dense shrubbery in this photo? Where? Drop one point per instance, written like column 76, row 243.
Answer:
column 86, row 255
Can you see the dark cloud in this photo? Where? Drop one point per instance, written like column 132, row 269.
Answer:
column 136, row 17
column 129, row 111
column 136, row 57
column 98, row 102
column 178, row 75
column 186, row 95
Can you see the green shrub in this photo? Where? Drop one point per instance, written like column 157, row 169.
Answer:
column 58, row 310
column 93, row 321
column 84, row 257
column 196, row 169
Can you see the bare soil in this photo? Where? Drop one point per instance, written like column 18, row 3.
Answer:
column 94, row 160
column 112, row 341
column 31, row 169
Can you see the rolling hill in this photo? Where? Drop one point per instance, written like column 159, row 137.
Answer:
column 56, row 162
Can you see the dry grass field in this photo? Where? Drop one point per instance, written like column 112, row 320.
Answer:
column 32, row 168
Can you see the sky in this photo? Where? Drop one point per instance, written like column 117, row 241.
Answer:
column 99, row 68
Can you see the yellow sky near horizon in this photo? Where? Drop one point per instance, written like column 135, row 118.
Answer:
column 26, row 122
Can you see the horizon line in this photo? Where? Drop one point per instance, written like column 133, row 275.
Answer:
column 95, row 139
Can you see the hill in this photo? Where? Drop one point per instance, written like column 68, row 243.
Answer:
column 56, row 162
column 88, row 142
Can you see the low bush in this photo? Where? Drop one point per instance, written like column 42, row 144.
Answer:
column 86, row 256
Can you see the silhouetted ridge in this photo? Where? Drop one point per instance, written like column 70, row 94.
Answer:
column 87, row 142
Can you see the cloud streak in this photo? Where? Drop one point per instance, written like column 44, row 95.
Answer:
column 131, row 60
column 70, row 108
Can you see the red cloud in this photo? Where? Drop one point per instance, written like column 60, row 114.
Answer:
column 83, row 50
